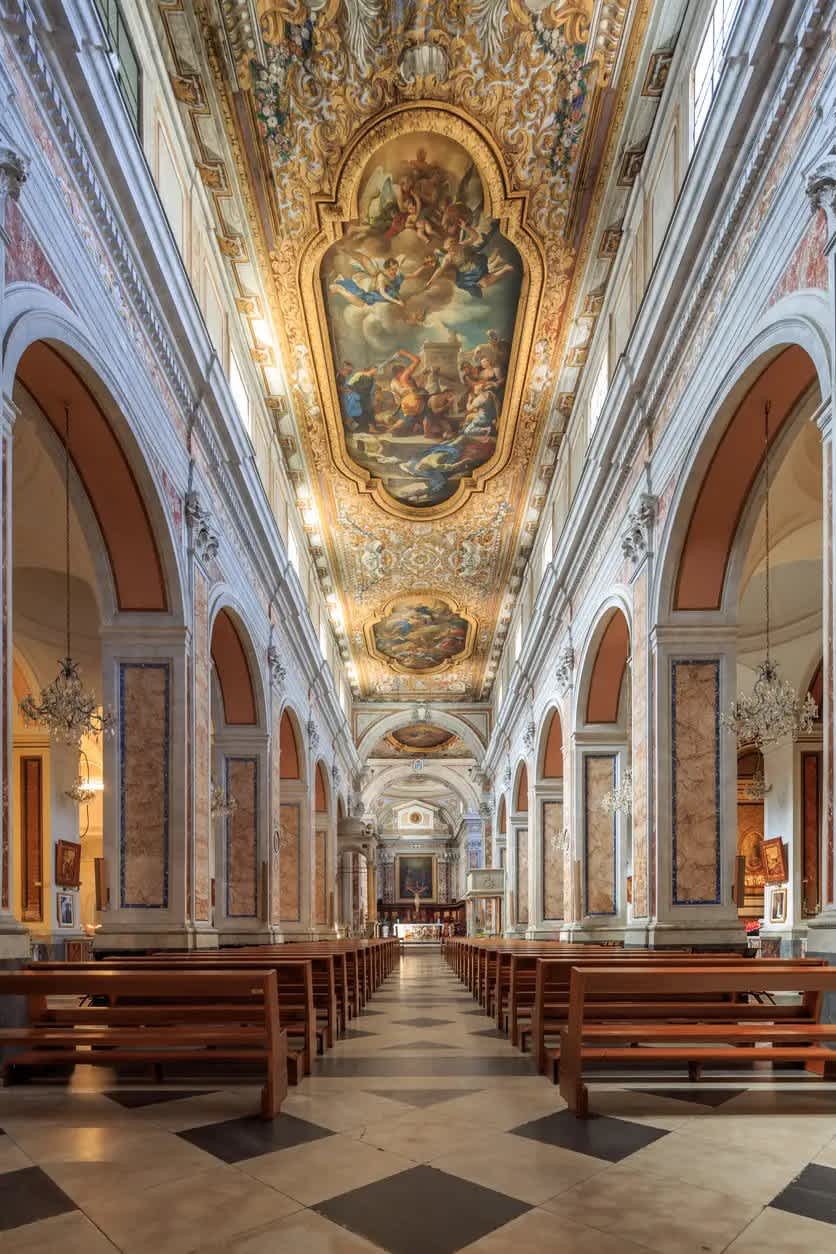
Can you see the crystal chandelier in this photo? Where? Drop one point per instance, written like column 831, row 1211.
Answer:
column 619, row 800
column 558, row 842
column 222, row 807
column 773, row 711
column 64, row 707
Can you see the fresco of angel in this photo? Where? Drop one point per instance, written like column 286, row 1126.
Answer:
column 383, row 281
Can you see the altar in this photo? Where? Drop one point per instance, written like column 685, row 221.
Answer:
column 416, row 933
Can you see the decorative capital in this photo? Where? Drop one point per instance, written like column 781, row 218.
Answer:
column 635, row 539
column 530, row 735
column 336, row 775
column 278, row 671
column 313, row 735
column 565, row 669
column 821, row 191
column 13, row 174
column 506, row 776
column 205, row 540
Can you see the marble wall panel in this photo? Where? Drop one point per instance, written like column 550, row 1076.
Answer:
column 695, row 781
column 522, row 875
column 144, row 748
column 242, row 839
column 599, row 834
column 320, row 879
column 553, row 860
column 639, row 818
column 275, row 818
column 202, row 749
column 290, row 817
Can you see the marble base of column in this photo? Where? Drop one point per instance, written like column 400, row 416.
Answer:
column 707, row 935
column 790, row 942
column 15, row 942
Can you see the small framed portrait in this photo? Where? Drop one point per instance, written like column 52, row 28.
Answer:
column 778, row 905
column 774, row 861
column 66, row 909
column 68, row 864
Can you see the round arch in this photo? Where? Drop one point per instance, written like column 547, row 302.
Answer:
column 322, row 789
column 36, row 318
column 549, row 754
column 236, row 669
column 457, row 783
column 292, row 755
column 604, row 661
column 450, row 722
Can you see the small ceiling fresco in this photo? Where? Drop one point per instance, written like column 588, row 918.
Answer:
column 423, row 736
column 421, row 295
column 409, row 195
column 421, row 634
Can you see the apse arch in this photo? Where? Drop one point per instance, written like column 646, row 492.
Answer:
column 36, row 324
column 452, row 779
column 794, row 325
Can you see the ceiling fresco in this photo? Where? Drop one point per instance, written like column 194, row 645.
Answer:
column 416, row 185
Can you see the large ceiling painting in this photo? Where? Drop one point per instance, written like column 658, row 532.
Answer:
column 408, row 197
column 421, row 296
column 421, row 634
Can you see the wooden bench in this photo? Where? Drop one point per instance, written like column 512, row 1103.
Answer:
column 694, row 1039
column 152, row 1017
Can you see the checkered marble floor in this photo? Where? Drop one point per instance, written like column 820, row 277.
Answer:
column 422, row 1132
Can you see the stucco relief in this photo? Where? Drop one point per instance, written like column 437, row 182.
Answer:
column 242, row 839
column 695, row 767
column 599, row 778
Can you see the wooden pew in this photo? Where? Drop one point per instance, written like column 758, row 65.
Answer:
column 690, row 1040
column 153, row 1017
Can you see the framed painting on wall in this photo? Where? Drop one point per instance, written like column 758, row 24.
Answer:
column 774, row 861
column 778, row 905
column 415, row 877
column 65, row 903
column 68, row 864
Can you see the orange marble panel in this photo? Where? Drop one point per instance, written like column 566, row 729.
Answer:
column 640, row 826
column 522, row 875
column 202, row 748
column 599, row 778
column 289, row 858
column 320, row 887
column 553, row 860
column 695, row 780
column 144, row 784
column 242, row 839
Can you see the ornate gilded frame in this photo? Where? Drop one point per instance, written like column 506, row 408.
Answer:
column 411, row 900
column 334, row 215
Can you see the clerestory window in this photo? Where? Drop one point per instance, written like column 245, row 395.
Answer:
column 128, row 72
column 709, row 63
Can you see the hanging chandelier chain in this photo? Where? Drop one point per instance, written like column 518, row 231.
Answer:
column 67, row 526
column 767, row 407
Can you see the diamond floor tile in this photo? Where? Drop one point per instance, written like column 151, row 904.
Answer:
column 812, row 1193
column 422, row 1098
column 135, row 1099
column 423, row 1023
column 29, row 1195
column 599, row 1136
column 699, row 1096
column 422, row 1210
column 237, row 1139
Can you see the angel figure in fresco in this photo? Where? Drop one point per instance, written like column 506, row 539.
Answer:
column 383, row 283
column 464, row 254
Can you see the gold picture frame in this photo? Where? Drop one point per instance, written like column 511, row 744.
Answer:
column 778, row 905
column 402, row 870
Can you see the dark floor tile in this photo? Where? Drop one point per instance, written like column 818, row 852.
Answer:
column 421, row 1210
column 701, row 1096
column 423, row 1023
column 812, row 1194
column 493, row 1033
column 424, row 1045
column 421, row 1066
column 132, row 1099
column 599, row 1136
column 423, row 1097
column 29, row 1195
column 236, row 1139
column 354, row 1034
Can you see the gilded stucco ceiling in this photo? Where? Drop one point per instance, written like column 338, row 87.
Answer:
column 415, row 185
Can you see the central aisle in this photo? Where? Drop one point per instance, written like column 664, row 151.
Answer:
column 421, row 1132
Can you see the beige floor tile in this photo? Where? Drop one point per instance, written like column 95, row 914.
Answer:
column 344, row 1111
column 137, row 1148
column 72, row 1233
column 302, row 1233
column 654, row 1112
column 422, row 1136
column 827, row 1154
column 519, row 1167
column 538, row 1232
column 196, row 1112
column 323, row 1169
column 793, row 1135
column 778, row 1232
column 668, row 1216
column 757, row 1177
column 505, row 1110
column 12, row 1157
column 185, row 1215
